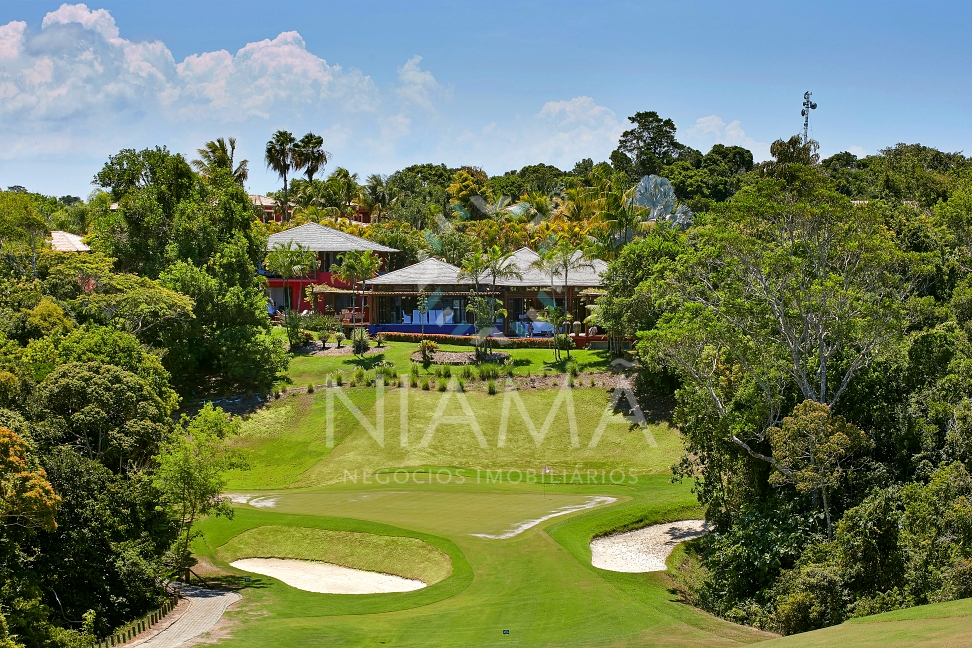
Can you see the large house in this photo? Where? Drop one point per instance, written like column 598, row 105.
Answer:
column 334, row 296
column 394, row 297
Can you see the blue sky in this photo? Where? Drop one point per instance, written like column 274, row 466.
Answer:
column 496, row 84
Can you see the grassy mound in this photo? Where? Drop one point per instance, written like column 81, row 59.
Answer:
column 397, row 555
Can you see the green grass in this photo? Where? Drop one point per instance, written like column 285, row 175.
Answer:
column 286, row 443
column 398, row 555
column 939, row 625
column 538, row 585
column 309, row 368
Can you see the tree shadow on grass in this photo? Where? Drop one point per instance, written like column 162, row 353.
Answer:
column 368, row 362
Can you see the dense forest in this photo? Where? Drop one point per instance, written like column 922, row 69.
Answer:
column 810, row 317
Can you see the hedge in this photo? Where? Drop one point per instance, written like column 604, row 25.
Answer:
column 470, row 340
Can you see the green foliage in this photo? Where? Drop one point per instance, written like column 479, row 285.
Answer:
column 360, row 341
column 103, row 412
column 190, row 477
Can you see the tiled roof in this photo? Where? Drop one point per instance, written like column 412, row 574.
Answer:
column 318, row 238
column 583, row 277
column 430, row 272
column 67, row 242
column 437, row 272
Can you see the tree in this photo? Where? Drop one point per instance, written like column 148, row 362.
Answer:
column 26, row 497
column 809, row 449
column 105, row 413
column 356, row 267
column 291, row 260
column 309, row 155
column 484, row 310
column 22, row 232
column 190, row 474
column 217, row 155
column 280, row 156
column 647, row 147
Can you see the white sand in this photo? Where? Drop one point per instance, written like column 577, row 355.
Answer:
column 643, row 550
column 563, row 510
column 326, row 578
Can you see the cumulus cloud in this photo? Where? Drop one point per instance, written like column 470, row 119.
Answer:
column 858, row 151
column 78, row 72
column 418, row 86
column 714, row 130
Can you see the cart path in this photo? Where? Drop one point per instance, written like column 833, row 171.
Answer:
column 206, row 607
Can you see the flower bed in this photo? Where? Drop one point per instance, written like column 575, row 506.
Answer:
column 470, row 340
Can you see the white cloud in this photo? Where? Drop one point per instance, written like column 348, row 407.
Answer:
column 79, row 73
column 12, row 40
column 418, row 86
column 858, row 151
column 561, row 133
column 99, row 21
column 714, row 130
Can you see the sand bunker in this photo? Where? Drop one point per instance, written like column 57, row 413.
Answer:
column 643, row 550
column 326, row 578
column 591, row 502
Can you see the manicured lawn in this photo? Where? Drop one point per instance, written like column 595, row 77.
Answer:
column 538, row 585
column 940, row 625
column 405, row 557
column 306, row 369
column 286, row 443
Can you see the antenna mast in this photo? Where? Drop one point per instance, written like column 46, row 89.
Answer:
column 807, row 107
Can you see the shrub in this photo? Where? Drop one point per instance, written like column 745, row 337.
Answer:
column 461, row 383
column 276, row 393
column 416, row 369
column 425, row 384
column 470, row 340
column 310, row 388
column 380, row 339
column 319, row 322
column 443, row 384
column 564, row 342
column 360, row 341
column 466, row 372
column 447, row 371
column 359, row 374
column 339, row 380
column 413, row 380
column 491, row 387
column 570, row 380
column 488, row 371
column 427, row 348
column 573, row 368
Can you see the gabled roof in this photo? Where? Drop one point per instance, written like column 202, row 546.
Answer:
column 430, row 272
column 319, row 238
column 67, row 242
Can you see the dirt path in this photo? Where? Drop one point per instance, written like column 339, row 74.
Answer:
column 205, row 608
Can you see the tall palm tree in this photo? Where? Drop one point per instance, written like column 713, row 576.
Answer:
column 309, row 155
column 280, row 156
column 356, row 267
column 496, row 264
column 219, row 154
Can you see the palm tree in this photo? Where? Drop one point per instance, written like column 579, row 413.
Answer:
column 280, row 156
column 358, row 266
column 495, row 263
column 346, row 187
column 219, row 155
column 309, row 155
column 376, row 196
column 289, row 261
